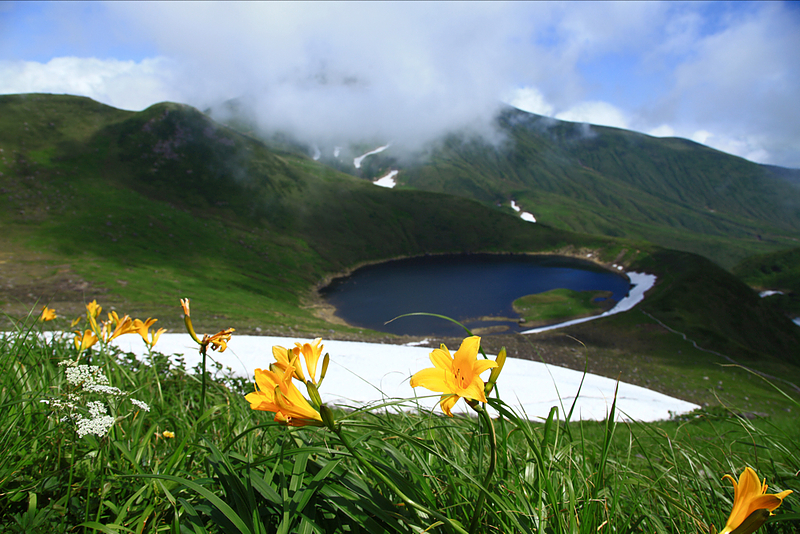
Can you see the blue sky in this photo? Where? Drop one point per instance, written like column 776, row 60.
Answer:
column 726, row 74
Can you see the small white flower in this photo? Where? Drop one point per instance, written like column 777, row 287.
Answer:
column 140, row 404
column 96, row 409
column 86, row 376
column 108, row 390
column 98, row 426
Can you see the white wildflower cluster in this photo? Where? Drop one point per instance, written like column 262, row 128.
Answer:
column 90, row 379
column 84, row 375
column 141, row 405
column 98, row 424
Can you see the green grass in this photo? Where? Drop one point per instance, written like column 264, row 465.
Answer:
column 231, row 469
column 777, row 271
column 142, row 209
column 607, row 181
column 561, row 304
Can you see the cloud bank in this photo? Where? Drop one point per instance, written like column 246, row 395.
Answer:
column 408, row 72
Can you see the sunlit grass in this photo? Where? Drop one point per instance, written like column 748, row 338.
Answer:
column 178, row 468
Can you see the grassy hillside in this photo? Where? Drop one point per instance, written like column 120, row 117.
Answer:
column 608, row 181
column 156, row 205
column 141, row 209
column 778, row 272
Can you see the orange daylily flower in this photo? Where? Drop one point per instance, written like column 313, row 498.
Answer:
column 750, row 496
column 185, row 306
column 84, row 340
column 455, row 376
column 218, row 341
column 93, row 309
column 276, row 392
column 122, row 325
column 93, row 312
column 311, row 353
column 143, row 328
column 48, row 314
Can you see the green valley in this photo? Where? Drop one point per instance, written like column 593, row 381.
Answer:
column 140, row 209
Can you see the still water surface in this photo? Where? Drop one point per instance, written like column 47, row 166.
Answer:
column 464, row 287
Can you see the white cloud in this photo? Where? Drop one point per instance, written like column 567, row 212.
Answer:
column 123, row 84
column 601, row 113
column 664, row 130
column 701, row 136
column 406, row 72
column 530, row 99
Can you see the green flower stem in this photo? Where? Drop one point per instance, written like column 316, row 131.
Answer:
column 492, row 463
column 69, row 483
column 203, row 385
column 102, row 480
column 386, row 480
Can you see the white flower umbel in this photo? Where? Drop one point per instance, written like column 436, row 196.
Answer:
column 98, row 426
column 84, row 375
column 140, row 404
column 89, row 380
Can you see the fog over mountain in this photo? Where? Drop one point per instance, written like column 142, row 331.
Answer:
column 723, row 74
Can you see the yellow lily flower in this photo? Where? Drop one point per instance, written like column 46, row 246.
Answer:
column 92, row 313
column 48, row 314
column 93, row 310
column 84, row 340
column 285, row 357
column 185, row 306
column 143, row 328
column 123, row 326
column 750, row 496
column 155, row 335
column 455, row 376
column 275, row 392
column 311, row 353
column 218, row 341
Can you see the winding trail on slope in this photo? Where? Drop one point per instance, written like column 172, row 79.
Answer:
column 734, row 362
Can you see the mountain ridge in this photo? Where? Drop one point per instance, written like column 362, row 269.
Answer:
column 108, row 196
column 595, row 179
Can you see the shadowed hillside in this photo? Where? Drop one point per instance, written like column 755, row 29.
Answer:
column 600, row 180
column 141, row 209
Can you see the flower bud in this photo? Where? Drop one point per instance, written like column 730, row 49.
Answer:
column 752, row 522
column 325, row 361
column 327, row 417
column 313, row 393
column 501, row 360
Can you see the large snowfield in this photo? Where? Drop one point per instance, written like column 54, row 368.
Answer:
column 364, row 373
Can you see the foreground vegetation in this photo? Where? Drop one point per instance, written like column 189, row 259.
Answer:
column 178, row 468
column 140, row 209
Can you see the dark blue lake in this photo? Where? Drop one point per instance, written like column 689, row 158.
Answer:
column 468, row 288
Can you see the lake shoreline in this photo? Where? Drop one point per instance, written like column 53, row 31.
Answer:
column 322, row 309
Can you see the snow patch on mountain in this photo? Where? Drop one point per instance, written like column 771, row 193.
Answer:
column 357, row 161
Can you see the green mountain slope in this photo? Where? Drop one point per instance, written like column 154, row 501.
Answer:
column 141, row 209
column 158, row 204
column 778, row 272
column 600, row 180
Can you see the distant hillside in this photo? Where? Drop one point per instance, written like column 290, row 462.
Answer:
column 141, row 202
column 608, row 181
column 777, row 273
column 141, row 209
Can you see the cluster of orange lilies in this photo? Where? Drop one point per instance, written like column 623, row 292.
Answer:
column 455, row 377
column 105, row 331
